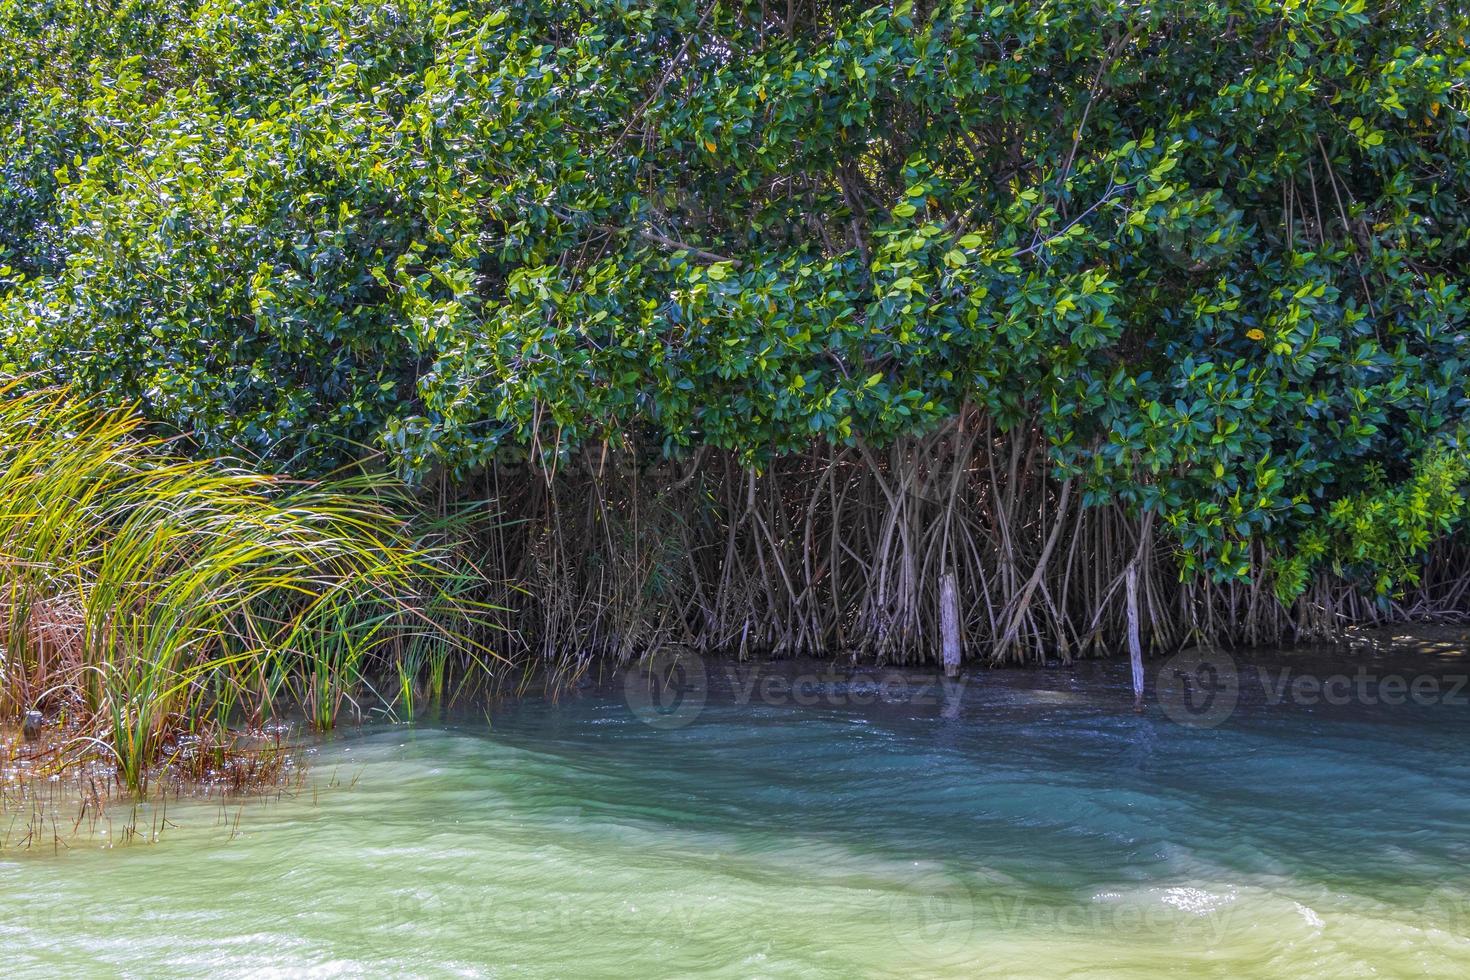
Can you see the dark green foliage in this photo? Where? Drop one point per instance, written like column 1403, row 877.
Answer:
column 1215, row 251
column 1381, row 533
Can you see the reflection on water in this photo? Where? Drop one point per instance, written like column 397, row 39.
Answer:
column 1012, row 824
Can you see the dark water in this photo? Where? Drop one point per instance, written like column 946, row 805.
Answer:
column 791, row 823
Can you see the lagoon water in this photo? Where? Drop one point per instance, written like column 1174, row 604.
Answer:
column 1026, row 824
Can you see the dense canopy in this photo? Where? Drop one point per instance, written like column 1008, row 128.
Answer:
column 1215, row 251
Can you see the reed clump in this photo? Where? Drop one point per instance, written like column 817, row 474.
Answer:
column 157, row 608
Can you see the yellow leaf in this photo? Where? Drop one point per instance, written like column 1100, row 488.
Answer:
column 710, row 145
column 1256, row 334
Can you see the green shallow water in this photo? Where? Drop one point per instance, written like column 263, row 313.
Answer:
column 1029, row 825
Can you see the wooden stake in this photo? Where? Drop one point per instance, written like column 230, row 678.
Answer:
column 1135, row 648
column 949, row 623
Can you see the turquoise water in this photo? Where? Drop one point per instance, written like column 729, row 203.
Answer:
column 1027, row 824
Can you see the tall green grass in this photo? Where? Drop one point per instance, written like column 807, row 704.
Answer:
column 144, row 594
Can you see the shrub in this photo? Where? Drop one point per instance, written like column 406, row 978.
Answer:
column 1213, row 252
column 143, row 594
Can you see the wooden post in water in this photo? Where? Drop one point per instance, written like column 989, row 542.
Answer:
column 949, row 623
column 1135, row 648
